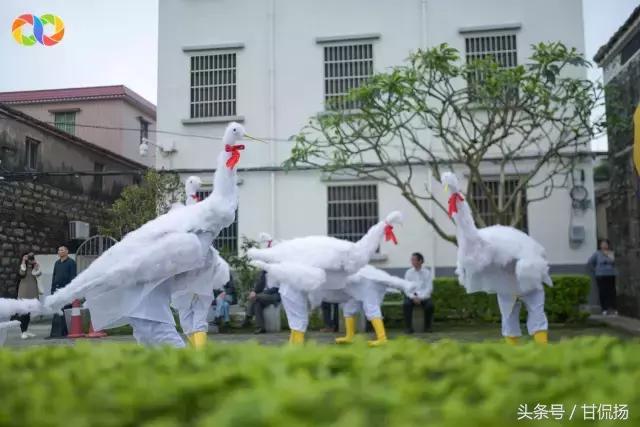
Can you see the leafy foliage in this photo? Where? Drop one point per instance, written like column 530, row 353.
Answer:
column 406, row 383
column 139, row 204
column 562, row 302
column 245, row 274
column 438, row 111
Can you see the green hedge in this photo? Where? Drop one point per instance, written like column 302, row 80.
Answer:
column 407, row 383
column 562, row 302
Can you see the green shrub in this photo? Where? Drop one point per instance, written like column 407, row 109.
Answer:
column 407, row 383
column 562, row 302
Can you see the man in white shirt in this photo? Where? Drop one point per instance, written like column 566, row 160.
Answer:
column 422, row 296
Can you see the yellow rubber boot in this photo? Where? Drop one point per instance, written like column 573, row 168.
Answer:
column 350, row 331
column 381, row 335
column 541, row 337
column 511, row 340
column 198, row 340
column 296, row 337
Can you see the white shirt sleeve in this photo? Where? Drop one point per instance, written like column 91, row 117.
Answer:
column 429, row 282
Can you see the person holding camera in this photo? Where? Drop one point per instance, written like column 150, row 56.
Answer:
column 28, row 288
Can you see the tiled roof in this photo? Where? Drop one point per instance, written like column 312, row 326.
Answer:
column 79, row 94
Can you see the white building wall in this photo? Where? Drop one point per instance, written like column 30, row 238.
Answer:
column 291, row 69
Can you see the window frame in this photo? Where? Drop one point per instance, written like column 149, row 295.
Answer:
column 332, row 51
column 487, row 216
column 351, row 210
column 30, row 160
column 202, row 83
column 65, row 126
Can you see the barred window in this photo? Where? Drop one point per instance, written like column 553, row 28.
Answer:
column 352, row 210
column 227, row 240
column 501, row 48
column 481, row 201
column 346, row 67
column 66, row 121
column 213, row 85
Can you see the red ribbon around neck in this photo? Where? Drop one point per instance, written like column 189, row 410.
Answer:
column 388, row 234
column 453, row 205
column 235, row 154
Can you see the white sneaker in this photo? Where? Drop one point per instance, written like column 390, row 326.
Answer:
column 30, row 335
column 614, row 313
column 605, row 313
column 24, row 336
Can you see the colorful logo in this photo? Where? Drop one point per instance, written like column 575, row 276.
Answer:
column 20, row 29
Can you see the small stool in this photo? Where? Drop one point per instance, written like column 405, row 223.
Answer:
column 418, row 318
column 272, row 317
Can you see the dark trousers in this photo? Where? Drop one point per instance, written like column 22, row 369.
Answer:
column 330, row 316
column 407, row 308
column 607, row 291
column 24, row 321
column 256, row 307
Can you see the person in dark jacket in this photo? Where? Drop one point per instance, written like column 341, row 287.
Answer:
column 260, row 297
column 223, row 300
column 64, row 271
column 602, row 266
column 28, row 288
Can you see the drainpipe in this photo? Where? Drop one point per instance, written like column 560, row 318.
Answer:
column 272, row 110
column 433, row 235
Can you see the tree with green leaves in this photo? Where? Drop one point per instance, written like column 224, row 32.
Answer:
column 529, row 124
column 139, row 204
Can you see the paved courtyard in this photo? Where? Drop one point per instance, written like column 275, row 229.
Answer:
column 465, row 333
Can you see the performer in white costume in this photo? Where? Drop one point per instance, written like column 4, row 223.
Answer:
column 9, row 307
column 504, row 261
column 310, row 268
column 132, row 281
column 364, row 292
column 192, row 292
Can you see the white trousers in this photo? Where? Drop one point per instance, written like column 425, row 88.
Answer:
column 353, row 307
column 152, row 333
column 296, row 305
column 510, row 309
column 194, row 318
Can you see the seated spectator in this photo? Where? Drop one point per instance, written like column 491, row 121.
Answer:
column 223, row 300
column 260, row 297
column 422, row 296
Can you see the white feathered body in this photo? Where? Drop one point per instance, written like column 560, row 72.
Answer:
column 164, row 247
column 308, row 263
column 498, row 259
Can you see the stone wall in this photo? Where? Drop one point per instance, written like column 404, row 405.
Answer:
column 623, row 213
column 35, row 217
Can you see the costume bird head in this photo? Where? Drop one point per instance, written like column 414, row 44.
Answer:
column 192, row 186
column 450, row 182
column 265, row 240
column 234, row 133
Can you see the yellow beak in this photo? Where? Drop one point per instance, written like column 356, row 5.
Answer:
column 446, row 188
column 254, row 138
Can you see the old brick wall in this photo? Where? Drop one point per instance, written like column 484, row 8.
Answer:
column 623, row 214
column 35, row 217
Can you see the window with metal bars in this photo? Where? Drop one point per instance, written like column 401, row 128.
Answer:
column 213, row 85
column 227, row 240
column 346, row 67
column 501, row 48
column 66, row 121
column 489, row 216
column 351, row 210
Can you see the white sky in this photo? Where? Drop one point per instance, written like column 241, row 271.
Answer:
column 115, row 42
